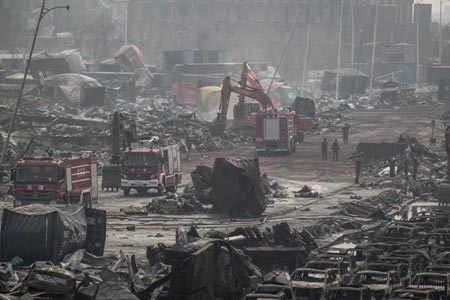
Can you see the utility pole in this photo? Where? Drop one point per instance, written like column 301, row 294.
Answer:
column 358, row 62
column 339, row 51
column 305, row 60
column 352, row 60
column 372, row 66
column 417, row 43
column 440, row 31
column 42, row 13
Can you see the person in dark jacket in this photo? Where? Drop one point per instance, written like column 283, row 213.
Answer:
column 335, row 149
column 324, row 146
column 345, row 130
column 358, row 166
column 392, row 167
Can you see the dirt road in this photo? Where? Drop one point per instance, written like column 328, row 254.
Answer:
column 334, row 180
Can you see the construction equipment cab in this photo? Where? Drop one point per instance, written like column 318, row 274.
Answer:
column 49, row 180
column 147, row 166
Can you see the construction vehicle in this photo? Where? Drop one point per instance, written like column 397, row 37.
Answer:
column 146, row 165
column 123, row 133
column 276, row 132
column 244, row 113
column 50, row 180
column 394, row 91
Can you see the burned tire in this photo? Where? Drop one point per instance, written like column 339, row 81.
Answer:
column 126, row 192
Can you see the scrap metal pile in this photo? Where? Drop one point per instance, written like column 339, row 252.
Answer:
column 217, row 264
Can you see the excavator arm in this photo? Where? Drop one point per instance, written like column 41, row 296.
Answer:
column 249, row 86
column 254, row 91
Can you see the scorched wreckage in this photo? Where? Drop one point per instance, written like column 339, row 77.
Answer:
column 130, row 170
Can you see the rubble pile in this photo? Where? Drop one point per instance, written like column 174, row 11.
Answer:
column 306, row 192
column 195, row 136
column 279, row 235
column 73, row 129
column 378, row 157
column 374, row 207
column 330, row 226
column 382, row 99
column 173, row 204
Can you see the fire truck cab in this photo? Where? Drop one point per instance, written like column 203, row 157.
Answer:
column 49, row 180
column 147, row 167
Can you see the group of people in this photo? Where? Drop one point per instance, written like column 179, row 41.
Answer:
column 403, row 166
column 335, row 148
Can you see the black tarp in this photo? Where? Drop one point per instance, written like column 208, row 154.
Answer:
column 42, row 233
column 304, row 106
column 201, row 179
column 380, row 151
column 237, row 187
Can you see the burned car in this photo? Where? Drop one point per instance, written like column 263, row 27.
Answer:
column 313, row 284
column 350, row 293
column 432, row 280
column 341, row 268
column 271, row 292
column 402, row 269
column 411, row 293
column 382, row 284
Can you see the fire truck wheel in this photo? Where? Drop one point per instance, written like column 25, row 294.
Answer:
column 87, row 201
column 126, row 192
column 161, row 189
column 174, row 188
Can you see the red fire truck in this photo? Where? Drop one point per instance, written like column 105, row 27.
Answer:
column 146, row 166
column 50, row 180
column 275, row 132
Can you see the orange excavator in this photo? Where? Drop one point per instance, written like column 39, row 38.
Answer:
column 249, row 86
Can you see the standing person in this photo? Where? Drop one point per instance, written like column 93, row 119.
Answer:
column 392, row 167
column 335, row 149
column 415, row 167
column 324, row 146
column 345, row 131
column 400, row 165
column 358, row 166
column 406, row 165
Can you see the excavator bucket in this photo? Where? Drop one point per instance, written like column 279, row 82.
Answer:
column 217, row 127
column 111, row 177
